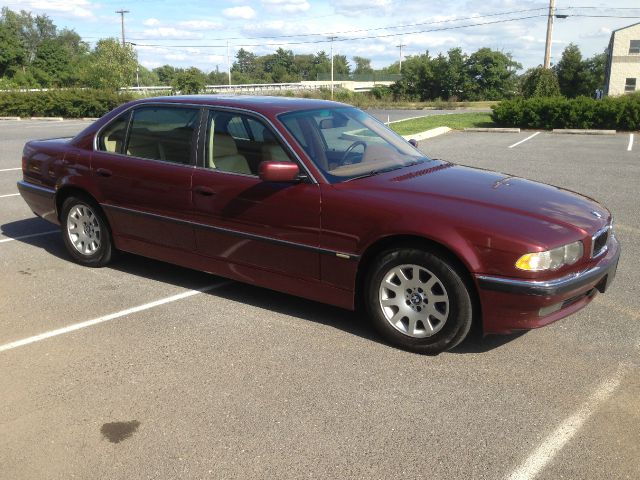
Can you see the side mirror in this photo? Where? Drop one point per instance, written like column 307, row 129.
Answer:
column 414, row 142
column 278, row 171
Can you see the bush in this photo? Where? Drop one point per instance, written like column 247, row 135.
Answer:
column 61, row 103
column 619, row 113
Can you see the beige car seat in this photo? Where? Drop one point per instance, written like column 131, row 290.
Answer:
column 223, row 155
column 272, row 151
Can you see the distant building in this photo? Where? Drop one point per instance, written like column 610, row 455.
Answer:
column 623, row 65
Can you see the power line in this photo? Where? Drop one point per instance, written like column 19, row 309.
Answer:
column 366, row 37
column 390, row 27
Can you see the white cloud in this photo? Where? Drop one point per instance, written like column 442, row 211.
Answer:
column 169, row 32
column 176, row 56
column 244, row 12
column 74, row 8
column 286, row 6
column 201, row 25
column 151, row 22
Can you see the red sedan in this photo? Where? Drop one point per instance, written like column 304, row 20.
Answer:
column 320, row 200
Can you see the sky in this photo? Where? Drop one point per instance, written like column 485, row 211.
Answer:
column 196, row 33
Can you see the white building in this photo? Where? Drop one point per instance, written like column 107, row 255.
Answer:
column 623, row 65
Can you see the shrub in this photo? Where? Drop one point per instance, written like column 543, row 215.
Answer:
column 619, row 113
column 61, row 103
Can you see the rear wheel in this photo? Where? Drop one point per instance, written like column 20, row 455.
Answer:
column 418, row 301
column 86, row 232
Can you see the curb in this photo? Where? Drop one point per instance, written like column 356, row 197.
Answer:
column 434, row 132
column 10, row 118
column 580, row 131
column 493, row 130
column 89, row 119
column 48, row 119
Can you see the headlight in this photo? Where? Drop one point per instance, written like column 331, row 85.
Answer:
column 551, row 259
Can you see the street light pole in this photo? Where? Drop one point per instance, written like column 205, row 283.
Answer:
column 547, row 48
column 400, row 47
column 332, row 39
column 228, row 62
column 122, row 12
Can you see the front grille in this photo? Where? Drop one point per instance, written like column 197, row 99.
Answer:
column 600, row 240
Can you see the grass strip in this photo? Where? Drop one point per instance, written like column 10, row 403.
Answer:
column 456, row 121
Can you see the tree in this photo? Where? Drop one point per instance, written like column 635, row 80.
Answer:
column 280, row 66
column 12, row 52
column 492, row 75
column 166, row 74
column 340, row 65
column 417, row 78
column 111, row 66
column 57, row 60
column 455, row 80
column 570, row 71
column 189, row 82
column 593, row 73
column 363, row 65
column 245, row 62
column 539, row 82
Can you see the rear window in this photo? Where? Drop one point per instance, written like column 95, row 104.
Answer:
column 163, row 133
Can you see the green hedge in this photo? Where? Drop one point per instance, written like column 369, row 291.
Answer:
column 61, row 103
column 617, row 113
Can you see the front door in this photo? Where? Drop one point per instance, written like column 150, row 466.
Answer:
column 271, row 226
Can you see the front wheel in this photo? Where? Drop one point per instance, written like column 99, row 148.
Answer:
column 418, row 301
column 86, row 232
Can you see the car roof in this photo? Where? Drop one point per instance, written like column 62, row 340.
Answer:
column 260, row 104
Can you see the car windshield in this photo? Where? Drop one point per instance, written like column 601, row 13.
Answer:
column 345, row 143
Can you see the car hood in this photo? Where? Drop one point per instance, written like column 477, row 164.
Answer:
column 468, row 187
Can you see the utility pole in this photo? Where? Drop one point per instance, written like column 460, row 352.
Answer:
column 332, row 39
column 122, row 12
column 547, row 48
column 400, row 47
column 228, row 62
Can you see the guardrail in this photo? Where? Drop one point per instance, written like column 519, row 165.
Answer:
column 247, row 88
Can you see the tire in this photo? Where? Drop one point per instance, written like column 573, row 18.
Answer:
column 418, row 301
column 86, row 232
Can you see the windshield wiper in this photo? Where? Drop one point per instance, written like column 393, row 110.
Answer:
column 371, row 173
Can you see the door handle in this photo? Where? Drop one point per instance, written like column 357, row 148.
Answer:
column 103, row 172
column 206, row 191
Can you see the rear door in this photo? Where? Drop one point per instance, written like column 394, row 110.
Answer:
column 143, row 168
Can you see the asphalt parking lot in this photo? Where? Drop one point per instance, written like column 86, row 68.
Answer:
column 167, row 380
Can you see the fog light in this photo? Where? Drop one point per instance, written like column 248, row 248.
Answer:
column 544, row 311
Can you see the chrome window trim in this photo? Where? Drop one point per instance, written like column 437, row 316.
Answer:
column 273, row 127
column 203, row 106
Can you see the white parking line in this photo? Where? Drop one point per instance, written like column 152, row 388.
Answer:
column 10, row 169
column 630, row 147
column 567, row 429
column 522, row 141
column 106, row 318
column 4, row 240
column 9, row 195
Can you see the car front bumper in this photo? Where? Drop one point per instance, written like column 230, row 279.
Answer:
column 514, row 304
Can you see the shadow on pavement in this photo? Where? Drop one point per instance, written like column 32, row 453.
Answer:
column 350, row 322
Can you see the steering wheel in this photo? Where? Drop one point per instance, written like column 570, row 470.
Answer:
column 350, row 149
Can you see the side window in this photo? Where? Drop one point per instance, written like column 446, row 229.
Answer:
column 162, row 133
column 237, row 130
column 238, row 143
column 113, row 136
